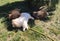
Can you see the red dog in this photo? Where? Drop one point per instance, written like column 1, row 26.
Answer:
column 14, row 14
column 40, row 14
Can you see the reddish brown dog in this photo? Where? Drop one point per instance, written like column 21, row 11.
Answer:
column 40, row 14
column 14, row 14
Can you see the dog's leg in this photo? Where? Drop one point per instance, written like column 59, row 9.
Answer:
column 25, row 26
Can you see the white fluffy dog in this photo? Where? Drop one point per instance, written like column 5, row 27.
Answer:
column 22, row 21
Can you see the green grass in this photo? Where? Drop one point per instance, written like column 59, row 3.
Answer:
column 42, row 31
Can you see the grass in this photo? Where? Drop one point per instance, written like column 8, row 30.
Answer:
column 41, row 31
column 2, row 2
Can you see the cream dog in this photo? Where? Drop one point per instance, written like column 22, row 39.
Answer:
column 22, row 21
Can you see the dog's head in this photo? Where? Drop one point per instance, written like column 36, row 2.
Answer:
column 14, row 14
column 41, row 14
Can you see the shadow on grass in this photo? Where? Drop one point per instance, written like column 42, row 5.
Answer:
column 53, row 4
column 34, row 4
column 10, row 6
column 31, row 23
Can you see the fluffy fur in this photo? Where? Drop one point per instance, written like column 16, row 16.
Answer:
column 22, row 21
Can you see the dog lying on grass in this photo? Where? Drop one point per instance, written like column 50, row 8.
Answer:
column 22, row 21
column 14, row 14
column 41, row 13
